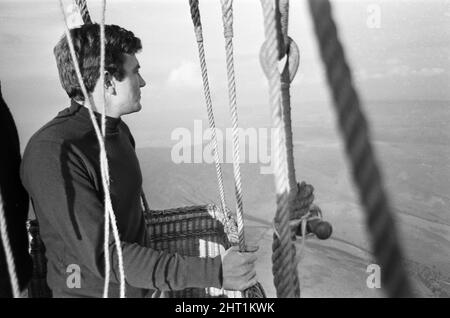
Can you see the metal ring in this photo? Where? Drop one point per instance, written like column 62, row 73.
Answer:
column 293, row 60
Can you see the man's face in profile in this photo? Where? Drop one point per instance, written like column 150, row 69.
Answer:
column 127, row 98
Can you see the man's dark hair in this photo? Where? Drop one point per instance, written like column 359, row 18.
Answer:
column 86, row 41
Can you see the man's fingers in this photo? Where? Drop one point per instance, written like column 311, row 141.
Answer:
column 249, row 283
column 234, row 248
column 244, row 270
column 249, row 258
column 250, row 275
column 251, row 248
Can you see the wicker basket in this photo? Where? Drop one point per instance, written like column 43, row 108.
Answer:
column 192, row 231
column 37, row 287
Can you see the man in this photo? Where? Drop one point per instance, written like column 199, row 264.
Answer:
column 15, row 204
column 61, row 172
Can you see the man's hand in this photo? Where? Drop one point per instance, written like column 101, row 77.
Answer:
column 238, row 269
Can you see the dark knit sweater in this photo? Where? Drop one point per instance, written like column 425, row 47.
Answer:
column 61, row 172
column 15, row 204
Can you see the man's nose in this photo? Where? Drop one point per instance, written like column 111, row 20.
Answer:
column 142, row 82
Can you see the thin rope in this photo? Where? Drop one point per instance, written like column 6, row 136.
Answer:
column 144, row 201
column 227, row 15
column 102, row 80
column 103, row 158
column 195, row 15
column 366, row 174
column 82, row 6
column 284, row 251
column 8, row 253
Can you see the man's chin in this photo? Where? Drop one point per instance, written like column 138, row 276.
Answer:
column 137, row 107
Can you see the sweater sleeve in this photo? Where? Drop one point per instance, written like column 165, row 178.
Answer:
column 59, row 183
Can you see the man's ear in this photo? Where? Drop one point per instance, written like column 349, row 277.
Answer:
column 110, row 85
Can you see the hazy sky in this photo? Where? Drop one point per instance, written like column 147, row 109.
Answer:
column 406, row 58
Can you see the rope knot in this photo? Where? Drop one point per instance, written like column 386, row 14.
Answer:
column 301, row 199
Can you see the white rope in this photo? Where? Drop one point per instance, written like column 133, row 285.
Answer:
column 103, row 162
column 8, row 252
column 102, row 80
column 285, row 272
column 195, row 14
column 227, row 17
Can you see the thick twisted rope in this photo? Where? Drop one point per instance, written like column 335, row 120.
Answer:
column 8, row 252
column 282, row 22
column 283, row 256
column 287, row 76
column 227, row 15
column 195, row 14
column 366, row 173
column 292, row 54
column 109, row 211
column 82, row 6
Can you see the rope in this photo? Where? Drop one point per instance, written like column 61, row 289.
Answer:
column 283, row 257
column 366, row 173
column 195, row 14
column 291, row 51
column 103, row 122
column 82, row 6
column 287, row 75
column 282, row 22
column 144, row 201
column 103, row 164
column 8, row 253
column 257, row 290
column 227, row 15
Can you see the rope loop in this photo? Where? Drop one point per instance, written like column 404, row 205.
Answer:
column 292, row 61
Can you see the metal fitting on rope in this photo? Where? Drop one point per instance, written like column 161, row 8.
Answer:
column 292, row 61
